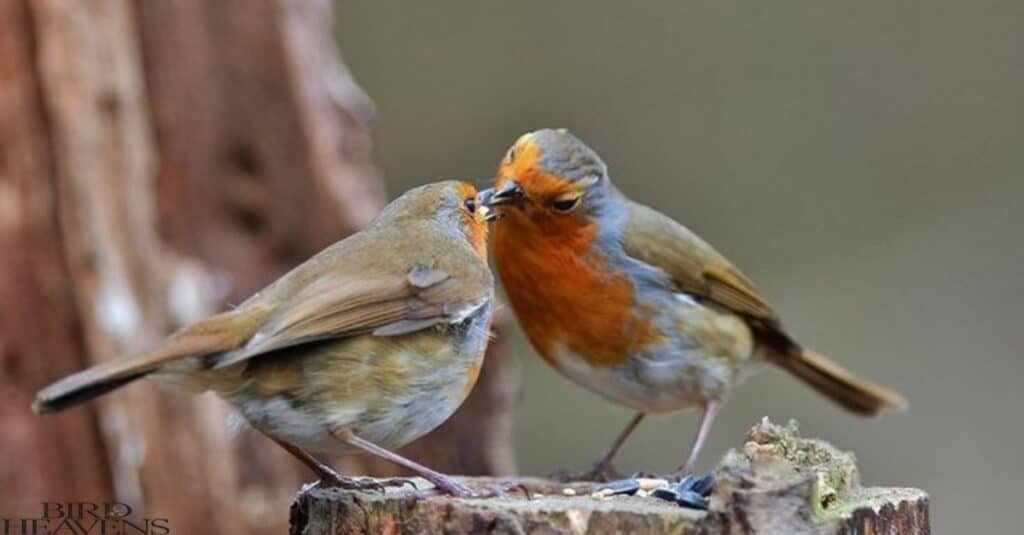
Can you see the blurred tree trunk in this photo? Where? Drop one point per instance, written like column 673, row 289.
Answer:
column 157, row 161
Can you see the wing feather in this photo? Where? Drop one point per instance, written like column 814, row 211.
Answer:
column 695, row 267
column 386, row 305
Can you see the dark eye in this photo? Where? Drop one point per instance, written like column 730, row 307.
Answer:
column 565, row 205
column 511, row 155
column 470, row 204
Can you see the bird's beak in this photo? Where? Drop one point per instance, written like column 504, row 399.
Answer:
column 510, row 192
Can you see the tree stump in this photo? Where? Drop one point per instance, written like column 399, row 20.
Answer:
column 777, row 482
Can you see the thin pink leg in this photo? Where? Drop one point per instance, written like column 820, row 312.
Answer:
column 706, row 419
column 441, row 481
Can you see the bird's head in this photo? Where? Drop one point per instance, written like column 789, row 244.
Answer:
column 453, row 206
column 550, row 180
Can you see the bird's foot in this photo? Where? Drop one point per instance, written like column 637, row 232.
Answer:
column 336, row 481
column 452, row 487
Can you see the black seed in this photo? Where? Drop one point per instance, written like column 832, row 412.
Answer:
column 704, row 484
column 685, row 484
column 692, row 500
column 622, row 486
column 668, row 495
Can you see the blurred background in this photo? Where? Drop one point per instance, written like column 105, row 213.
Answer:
column 863, row 162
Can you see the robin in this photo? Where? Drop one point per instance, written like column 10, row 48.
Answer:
column 629, row 303
column 365, row 347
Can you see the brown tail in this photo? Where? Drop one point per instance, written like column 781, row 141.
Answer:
column 855, row 394
column 212, row 335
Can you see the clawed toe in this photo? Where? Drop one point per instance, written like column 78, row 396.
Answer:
column 459, row 490
column 398, row 482
column 501, row 489
column 442, row 484
column 350, row 483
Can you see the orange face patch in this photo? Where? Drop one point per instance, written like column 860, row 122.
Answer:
column 522, row 165
column 465, row 189
column 476, row 226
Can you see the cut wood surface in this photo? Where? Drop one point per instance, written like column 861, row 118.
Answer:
column 776, row 482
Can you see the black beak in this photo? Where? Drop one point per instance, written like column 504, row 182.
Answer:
column 510, row 192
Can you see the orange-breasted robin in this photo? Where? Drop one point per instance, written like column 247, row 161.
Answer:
column 367, row 346
column 629, row 303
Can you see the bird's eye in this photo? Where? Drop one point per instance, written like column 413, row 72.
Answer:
column 566, row 205
column 470, row 204
column 511, row 155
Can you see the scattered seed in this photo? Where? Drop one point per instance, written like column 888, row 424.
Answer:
column 691, row 499
column 668, row 495
column 704, row 484
column 650, row 483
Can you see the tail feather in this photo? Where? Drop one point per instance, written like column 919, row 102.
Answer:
column 212, row 335
column 102, row 378
column 855, row 394
column 79, row 388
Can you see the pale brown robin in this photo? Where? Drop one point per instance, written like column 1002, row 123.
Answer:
column 629, row 303
column 365, row 347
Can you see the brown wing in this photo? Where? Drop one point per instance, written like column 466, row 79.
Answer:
column 695, row 266
column 341, row 305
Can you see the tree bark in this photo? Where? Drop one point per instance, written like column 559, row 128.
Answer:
column 321, row 512
column 40, row 339
column 159, row 161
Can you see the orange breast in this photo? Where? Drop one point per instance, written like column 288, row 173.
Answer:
column 563, row 293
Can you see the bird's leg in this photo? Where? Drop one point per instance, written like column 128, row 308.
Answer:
column 443, row 483
column 602, row 470
column 328, row 477
column 707, row 417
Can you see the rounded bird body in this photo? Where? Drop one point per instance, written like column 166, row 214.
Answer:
column 612, row 323
column 366, row 346
column 629, row 303
column 387, row 390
